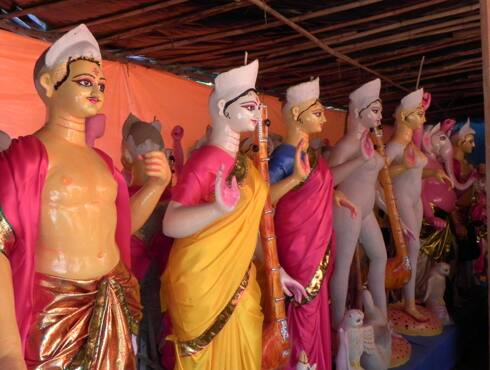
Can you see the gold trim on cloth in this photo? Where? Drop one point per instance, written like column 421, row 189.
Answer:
column 7, row 235
column 316, row 282
column 190, row 347
column 436, row 243
column 88, row 353
column 84, row 324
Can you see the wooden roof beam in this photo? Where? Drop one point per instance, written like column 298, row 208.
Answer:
column 274, row 53
column 336, row 69
column 289, row 61
column 123, row 14
column 339, row 90
column 347, row 36
column 34, row 9
column 373, row 60
column 194, row 16
column 342, row 38
column 247, row 46
column 322, row 45
column 407, row 67
column 279, row 64
column 242, row 30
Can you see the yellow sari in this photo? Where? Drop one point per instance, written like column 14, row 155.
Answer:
column 211, row 291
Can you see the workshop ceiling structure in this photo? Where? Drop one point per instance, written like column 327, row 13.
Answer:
column 346, row 43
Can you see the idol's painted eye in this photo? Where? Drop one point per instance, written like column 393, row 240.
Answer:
column 443, row 138
column 85, row 82
column 249, row 107
column 102, row 87
column 317, row 114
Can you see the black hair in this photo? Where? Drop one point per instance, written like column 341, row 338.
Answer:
column 363, row 109
column 303, row 111
column 67, row 73
column 231, row 101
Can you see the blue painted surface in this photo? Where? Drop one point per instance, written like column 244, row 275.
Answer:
column 434, row 353
column 478, row 155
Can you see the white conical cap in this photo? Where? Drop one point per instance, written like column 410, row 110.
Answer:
column 366, row 94
column 232, row 83
column 79, row 42
column 297, row 94
column 464, row 131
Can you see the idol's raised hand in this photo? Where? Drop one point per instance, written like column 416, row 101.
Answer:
column 302, row 167
column 227, row 197
column 367, row 147
column 157, row 168
column 409, row 156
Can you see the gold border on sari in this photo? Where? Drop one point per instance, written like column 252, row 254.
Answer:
column 313, row 288
column 7, row 235
column 190, row 347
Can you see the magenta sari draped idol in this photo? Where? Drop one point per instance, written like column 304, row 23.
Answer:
column 306, row 247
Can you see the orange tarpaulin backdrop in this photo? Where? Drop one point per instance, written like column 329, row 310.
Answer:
column 131, row 88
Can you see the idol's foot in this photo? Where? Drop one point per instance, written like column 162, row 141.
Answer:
column 416, row 314
column 418, row 322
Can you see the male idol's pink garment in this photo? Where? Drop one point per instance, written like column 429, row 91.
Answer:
column 23, row 170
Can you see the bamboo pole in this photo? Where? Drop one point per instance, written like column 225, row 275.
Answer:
column 279, row 63
column 343, row 24
column 485, row 30
column 35, row 9
column 322, row 45
column 371, row 60
column 338, row 39
column 241, row 30
column 194, row 16
column 352, row 35
column 124, row 14
column 332, row 71
column 368, row 60
column 435, row 29
column 420, row 72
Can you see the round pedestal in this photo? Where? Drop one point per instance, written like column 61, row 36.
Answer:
column 404, row 323
column 400, row 351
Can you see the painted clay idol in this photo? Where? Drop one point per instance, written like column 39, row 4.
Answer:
column 407, row 164
column 355, row 339
column 434, row 294
column 302, row 188
column 464, row 144
column 210, row 284
column 149, row 247
column 66, row 236
column 360, row 186
column 438, row 200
